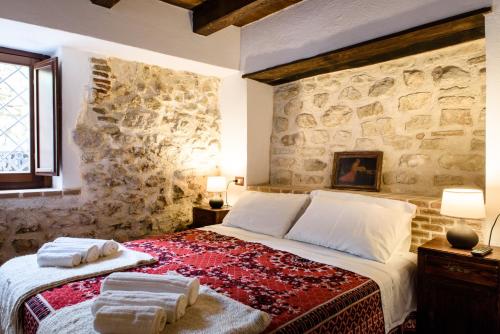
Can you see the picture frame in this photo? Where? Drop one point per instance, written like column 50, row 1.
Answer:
column 357, row 170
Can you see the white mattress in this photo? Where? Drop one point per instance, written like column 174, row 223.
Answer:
column 395, row 278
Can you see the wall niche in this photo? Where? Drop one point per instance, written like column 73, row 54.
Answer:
column 426, row 112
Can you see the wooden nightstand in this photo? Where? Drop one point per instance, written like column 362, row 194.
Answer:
column 457, row 293
column 205, row 215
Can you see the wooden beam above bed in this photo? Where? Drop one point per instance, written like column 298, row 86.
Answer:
column 105, row 3
column 214, row 15
column 428, row 37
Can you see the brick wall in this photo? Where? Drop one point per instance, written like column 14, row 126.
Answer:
column 426, row 225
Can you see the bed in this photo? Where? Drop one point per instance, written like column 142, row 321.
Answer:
column 319, row 263
column 305, row 288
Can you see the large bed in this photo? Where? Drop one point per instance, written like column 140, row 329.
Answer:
column 305, row 288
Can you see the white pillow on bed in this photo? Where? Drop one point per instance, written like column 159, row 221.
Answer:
column 368, row 230
column 400, row 206
column 267, row 213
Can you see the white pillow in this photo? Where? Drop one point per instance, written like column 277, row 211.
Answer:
column 400, row 206
column 364, row 229
column 266, row 213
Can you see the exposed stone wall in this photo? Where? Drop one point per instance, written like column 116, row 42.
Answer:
column 425, row 112
column 427, row 224
column 148, row 138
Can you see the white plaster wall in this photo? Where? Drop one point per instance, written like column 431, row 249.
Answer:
column 148, row 24
column 493, row 119
column 316, row 26
column 259, row 129
column 76, row 84
column 233, row 109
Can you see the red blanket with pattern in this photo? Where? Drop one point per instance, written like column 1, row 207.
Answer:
column 300, row 295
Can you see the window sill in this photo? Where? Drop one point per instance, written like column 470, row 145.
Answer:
column 30, row 193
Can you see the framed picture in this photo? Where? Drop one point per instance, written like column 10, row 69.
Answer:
column 357, row 170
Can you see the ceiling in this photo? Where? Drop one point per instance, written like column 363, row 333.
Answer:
column 210, row 16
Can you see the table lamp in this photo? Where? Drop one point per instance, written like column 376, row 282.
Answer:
column 216, row 184
column 463, row 204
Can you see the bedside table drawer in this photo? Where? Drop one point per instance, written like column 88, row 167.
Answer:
column 472, row 272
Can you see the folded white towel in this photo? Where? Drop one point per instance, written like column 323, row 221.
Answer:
column 174, row 304
column 60, row 259
column 171, row 282
column 89, row 252
column 106, row 247
column 130, row 320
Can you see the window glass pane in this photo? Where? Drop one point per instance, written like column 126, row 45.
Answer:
column 14, row 118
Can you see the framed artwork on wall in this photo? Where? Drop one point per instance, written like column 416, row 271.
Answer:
column 357, row 170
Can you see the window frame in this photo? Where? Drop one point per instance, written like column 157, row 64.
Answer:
column 13, row 181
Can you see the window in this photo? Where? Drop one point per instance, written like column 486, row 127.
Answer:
column 29, row 120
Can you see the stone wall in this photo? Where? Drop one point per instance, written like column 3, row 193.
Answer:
column 427, row 224
column 425, row 112
column 148, row 138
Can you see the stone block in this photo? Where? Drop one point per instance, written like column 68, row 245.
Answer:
column 414, row 101
column 320, row 99
column 305, row 121
column 372, row 109
column 293, row 107
column 350, row 93
column 443, row 180
column 399, row 177
column 463, row 162
column 456, row 117
column 296, row 139
column 314, row 165
column 456, row 101
column 319, row 136
column 336, row 115
column 281, row 177
column 398, row 142
column 381, row 87
column 419, row 122
column 413, row 78
column 414, row 160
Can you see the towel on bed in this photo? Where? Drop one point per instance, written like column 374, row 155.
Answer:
column 129, row 319
column 89, row 253
column 64, row 259
column 106, row 247
column 171, row 282
column 21, row 277
column 212, row 313
column 174, row 304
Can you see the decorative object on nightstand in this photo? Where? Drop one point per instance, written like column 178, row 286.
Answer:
column 462, row 203
column 457, row 292
column 205, row 216
column 216, row 184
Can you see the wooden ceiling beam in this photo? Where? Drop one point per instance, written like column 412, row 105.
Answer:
column 428, row 37
column 214, row 15
column 105, row 3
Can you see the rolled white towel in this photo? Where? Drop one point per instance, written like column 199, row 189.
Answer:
column 171, row 282
column 106, row 247
column 130, row 320
column 174, row 304
column 61, row 259
column 89, row 252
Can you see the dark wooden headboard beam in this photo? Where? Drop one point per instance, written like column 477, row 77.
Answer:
column 214, row 15
column 454, row 30
column 188, row 4
column 105, row 3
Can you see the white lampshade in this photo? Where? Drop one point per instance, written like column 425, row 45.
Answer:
column 216, row 184
column 463, row 203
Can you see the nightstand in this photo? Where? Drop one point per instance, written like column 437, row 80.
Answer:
column 205, row 215
column 457, row 293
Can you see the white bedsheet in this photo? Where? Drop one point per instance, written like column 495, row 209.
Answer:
column 396, row 278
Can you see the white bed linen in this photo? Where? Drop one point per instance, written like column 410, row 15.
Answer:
column 396, row 278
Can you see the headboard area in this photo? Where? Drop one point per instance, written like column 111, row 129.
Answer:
column 427, row 224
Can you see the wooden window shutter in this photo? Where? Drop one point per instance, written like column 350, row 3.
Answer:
column 47, row 117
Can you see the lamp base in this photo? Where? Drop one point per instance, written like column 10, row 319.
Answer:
column 216, row 203
column 462, row 237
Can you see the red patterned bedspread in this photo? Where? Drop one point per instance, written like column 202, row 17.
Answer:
column 300, row 295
